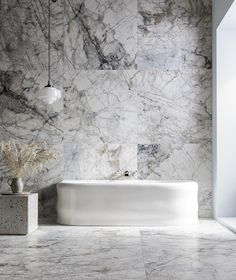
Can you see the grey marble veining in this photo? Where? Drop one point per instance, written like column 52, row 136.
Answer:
column 136, row 80
column 136, row 108
column 98, row 161
column 100, row 34
column 174, row 128
column 204, row 251
column 101, row 107
column 174, row 106
column 190, row 161
column 23, row 72
column 206, row 254
column 174, row 34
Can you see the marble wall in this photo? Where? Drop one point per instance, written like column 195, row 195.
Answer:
column 23, row 72
column 136, row 78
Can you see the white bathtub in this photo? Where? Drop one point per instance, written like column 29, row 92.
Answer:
column 125, row 203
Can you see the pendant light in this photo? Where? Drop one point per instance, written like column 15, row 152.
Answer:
column 49, row 94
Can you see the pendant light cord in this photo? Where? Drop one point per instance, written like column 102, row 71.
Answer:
column 49, row 43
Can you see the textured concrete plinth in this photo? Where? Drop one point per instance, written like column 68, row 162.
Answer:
column 18, row 213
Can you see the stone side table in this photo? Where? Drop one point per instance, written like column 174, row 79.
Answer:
column 18, row 213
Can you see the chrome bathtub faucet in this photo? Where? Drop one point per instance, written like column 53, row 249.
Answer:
column 127, row 173
column 122, row 173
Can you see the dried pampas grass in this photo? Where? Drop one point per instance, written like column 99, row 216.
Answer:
column 25, row 159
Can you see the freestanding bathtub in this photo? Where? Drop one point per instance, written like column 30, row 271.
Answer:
column 127, row 203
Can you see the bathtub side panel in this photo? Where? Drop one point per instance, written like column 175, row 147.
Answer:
column 125, row 205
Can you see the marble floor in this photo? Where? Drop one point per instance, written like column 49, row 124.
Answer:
column 203, row 252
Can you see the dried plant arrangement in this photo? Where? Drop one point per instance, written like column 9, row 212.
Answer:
column 25, row 159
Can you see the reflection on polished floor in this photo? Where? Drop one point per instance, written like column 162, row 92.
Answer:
column 202, row 252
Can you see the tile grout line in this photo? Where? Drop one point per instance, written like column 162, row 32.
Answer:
column 140, row 237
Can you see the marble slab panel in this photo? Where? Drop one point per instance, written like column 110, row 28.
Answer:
column 100, row 107
column 174, row 107
column 100, row 34
column 101, row 161
column 24, row 38
column 174, row 34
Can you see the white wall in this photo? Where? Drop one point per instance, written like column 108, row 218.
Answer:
column 226, row 123
column 224, row 109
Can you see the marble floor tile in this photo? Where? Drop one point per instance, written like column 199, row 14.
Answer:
column 73, row 253
column 205, row 251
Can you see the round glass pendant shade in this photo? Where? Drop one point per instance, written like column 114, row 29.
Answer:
column 49, row 94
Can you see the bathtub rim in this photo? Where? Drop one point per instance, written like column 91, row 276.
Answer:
column 125, row 182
